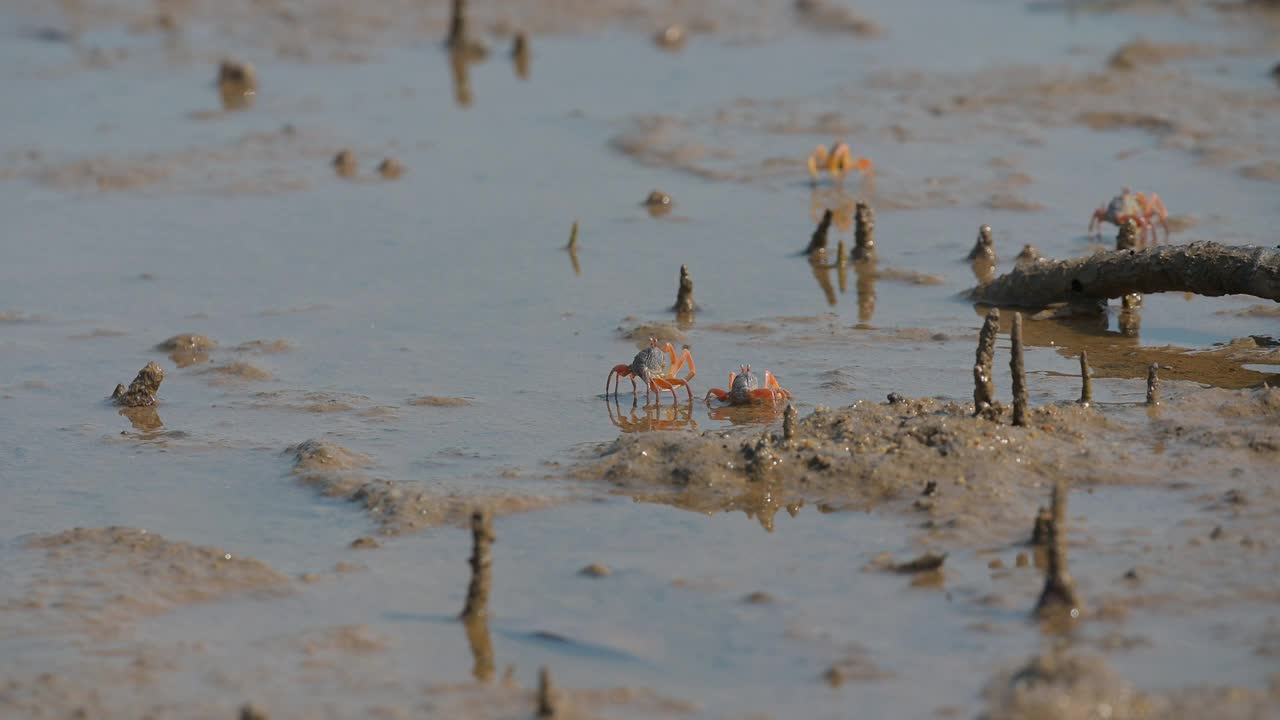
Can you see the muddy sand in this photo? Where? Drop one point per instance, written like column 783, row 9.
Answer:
column 373, row 229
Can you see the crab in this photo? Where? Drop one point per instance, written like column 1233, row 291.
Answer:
column 652, row 367
column 837, row 162
column 1129, row 205
column 744, row 390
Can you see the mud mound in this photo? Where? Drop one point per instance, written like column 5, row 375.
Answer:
column 398, row 507
column 98, row 579
column 988, row 475
column 1061, row 686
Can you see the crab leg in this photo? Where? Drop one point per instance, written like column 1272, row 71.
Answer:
column 817, row 157
column 673, row 383
column 771, row 383
column 839, row 160
column 621, row 371
column 1095, row 224
column 1155, row 206
column 719, row 394
column 686, row 357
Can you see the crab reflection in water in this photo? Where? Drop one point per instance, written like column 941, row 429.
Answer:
column 651, row 417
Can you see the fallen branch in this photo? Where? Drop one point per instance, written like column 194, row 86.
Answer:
column 1203, row 268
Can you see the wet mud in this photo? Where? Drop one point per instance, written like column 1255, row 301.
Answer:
column 991, row 474
column 96, row 581
column 936, row 508
column 397, row 507
column 187, row 349
column 256, row 163
column 142, row 391
column 1063, row 685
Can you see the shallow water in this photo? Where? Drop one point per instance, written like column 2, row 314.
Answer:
column 452, row 282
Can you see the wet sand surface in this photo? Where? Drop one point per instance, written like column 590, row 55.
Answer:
column 353, row 359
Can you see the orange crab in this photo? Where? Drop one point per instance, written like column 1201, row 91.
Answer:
column 652, row 367
column 837, row 162
column 744, row 390
column 1129, row 205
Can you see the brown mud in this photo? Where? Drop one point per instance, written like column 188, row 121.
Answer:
column 437, row 401
column 397, row 507
column 235, row 372
column 1066, row 685
column 142, row 391
column 187, row 349
column 98, row 580
column 255, row 163
column 992, row 475
column 972, row 517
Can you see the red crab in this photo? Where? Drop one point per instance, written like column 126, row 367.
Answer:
column 1137, row 207
column 744, row 390
column 652, row 367
column 837, row 162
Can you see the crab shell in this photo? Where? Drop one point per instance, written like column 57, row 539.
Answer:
column 649, row 363
column 743, row 383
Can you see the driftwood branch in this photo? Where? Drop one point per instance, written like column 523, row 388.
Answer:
column 1203, row 268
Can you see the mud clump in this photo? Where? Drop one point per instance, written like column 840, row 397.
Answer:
column 871, row 454
column 1267, row 170
column 237, row 84
column 595, row 570
column 437, row 401
column 984, row 248
column 391, row 169
column 1140, row 52
column 663, row 332
column 1029, row 255
column 236, row 371
column 671, row 37
column 929, row 562
column 397, row 507
column 854, row 667
column 318, row 456
column 823, row 16
column 187, row 349
column 142, row 391
column 1060, row 685
column 264, row 347
column 345, row 164
column 665, row 142
column 859, row 456
column 104, row 577
column 658, row 203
